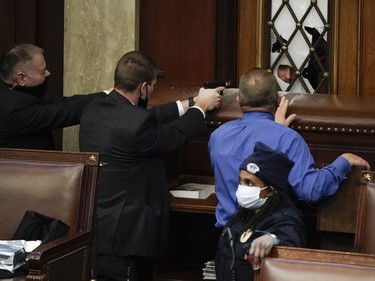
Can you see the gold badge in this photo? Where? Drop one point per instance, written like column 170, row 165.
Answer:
column 246, row 235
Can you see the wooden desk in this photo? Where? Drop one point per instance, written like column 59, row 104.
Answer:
column 189, row 205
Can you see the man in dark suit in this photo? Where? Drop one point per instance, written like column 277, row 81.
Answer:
column 26, row 115
column 133, row 195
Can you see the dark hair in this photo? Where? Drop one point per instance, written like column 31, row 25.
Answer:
column 134, row 68
column 16, row 58
column 258, row 88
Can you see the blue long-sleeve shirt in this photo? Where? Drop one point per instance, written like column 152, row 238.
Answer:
column 233, row 141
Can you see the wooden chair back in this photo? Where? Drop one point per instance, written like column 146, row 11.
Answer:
column 57, row 184
column 365, row 231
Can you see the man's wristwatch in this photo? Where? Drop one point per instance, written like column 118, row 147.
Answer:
column 191, row 101
column 275, row 239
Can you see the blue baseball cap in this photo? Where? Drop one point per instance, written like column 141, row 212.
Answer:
column 270, row 165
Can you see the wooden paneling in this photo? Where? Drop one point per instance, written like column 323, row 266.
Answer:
column 7, row 25
column 180, row 36
column 50, row 36
column 17, row 19
column 17, row 22
column 348, row 53
column 25, row 21
column 226, row 58
column 367, row 71
column 191, row 40
column 247, row 35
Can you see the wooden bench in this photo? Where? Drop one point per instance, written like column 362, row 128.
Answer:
column 60, row 185
column 295, row 264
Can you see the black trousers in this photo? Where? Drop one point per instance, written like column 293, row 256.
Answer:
column 130, row 268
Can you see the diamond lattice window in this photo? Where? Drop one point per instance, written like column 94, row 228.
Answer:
column 299, row 45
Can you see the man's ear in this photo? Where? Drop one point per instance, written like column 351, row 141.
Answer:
column 143, row 86
column 238, row 100
column 21, row 78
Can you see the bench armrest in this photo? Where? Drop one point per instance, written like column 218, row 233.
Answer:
column 68, row 255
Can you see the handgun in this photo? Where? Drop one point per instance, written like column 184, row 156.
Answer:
column 215, row 84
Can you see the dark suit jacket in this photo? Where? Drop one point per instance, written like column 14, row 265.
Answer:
column 26, row 121
column 133, row 196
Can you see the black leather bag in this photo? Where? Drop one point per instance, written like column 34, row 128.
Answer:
column 35, row 226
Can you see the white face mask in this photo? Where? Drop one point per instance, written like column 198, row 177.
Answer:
column 248, row 197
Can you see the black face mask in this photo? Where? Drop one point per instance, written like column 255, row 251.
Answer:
column 37, row 91
column 143, row 103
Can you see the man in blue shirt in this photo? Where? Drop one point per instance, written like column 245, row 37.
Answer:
column 233, row 140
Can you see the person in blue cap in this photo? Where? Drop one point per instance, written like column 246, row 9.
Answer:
column 265, row 217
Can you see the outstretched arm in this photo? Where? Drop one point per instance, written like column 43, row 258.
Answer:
column 207, row 99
